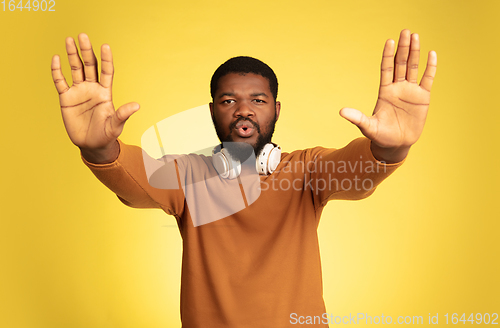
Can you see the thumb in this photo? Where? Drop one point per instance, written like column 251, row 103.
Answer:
column 122, row 114
column 357, row 118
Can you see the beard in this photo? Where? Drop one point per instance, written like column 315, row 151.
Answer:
column 242, row 150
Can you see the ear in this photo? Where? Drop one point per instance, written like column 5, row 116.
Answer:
column 211, row 105
column 278, row 108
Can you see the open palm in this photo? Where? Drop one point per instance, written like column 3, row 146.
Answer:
column 87, row 108
column 401, row 109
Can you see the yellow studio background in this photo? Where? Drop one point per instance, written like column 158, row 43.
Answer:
column 426, row 242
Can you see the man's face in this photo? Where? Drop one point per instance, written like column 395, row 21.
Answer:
column 244, row 110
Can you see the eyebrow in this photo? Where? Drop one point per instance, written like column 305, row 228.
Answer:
column 227, row 94
column 231, row 94
column 259, row 94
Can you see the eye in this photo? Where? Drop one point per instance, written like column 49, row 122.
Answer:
column 228, row 101
column 260, row 101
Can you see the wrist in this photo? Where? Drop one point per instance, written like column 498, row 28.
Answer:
column 103, row 155
column 389, row 155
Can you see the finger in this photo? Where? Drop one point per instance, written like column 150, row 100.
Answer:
column 88, row 58
column 412, row 71
column 430, row 71
column 402, row 56
column 74, row 61
column 121, row 116
column 57, row 75
column 387, row 67
column 357, row 118
column 107, row 69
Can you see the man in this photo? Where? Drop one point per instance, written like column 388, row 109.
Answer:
column 258, row 266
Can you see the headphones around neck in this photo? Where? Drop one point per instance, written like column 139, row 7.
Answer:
column 229, row 168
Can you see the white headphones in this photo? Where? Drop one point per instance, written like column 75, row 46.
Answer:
column 229, row 168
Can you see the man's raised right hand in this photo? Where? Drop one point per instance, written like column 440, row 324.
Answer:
column 87, row 109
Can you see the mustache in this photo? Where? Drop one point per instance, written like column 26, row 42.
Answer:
column 255, row 124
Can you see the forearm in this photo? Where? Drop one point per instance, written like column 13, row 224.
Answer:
column 127, row 178
column 351, row 172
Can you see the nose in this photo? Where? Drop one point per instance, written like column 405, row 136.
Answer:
column 244, row 110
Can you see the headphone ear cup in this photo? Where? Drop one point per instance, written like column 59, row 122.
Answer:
column 225, row 165
column 268, row 159
column 274, row 159
column 220, row 164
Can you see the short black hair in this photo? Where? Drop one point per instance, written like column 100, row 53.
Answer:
column 245, row 64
